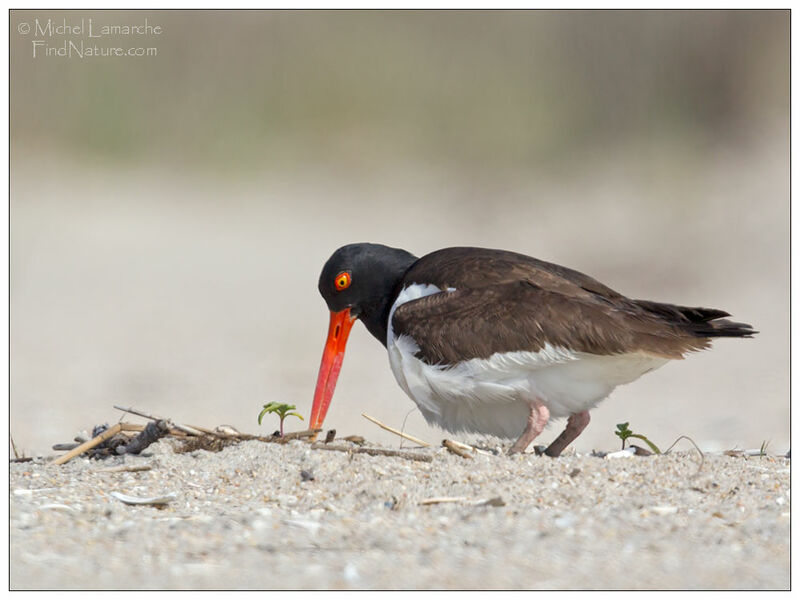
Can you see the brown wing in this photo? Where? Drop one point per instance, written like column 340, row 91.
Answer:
column 480, row 267
column 469, row 323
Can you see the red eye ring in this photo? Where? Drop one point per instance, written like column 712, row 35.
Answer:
column 342, row 281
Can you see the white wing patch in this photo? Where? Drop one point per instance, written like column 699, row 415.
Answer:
column 492, row 395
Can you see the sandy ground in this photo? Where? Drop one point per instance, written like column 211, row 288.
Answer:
column 246, row 518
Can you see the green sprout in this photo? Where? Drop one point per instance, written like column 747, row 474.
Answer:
column 763, row 450
column 623, row 433
column 282, row 410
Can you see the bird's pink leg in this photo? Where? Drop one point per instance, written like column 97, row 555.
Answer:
column 536, row 421
column 575, row 424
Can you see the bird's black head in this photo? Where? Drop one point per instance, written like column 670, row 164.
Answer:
column 357, row 282
column 362, row 277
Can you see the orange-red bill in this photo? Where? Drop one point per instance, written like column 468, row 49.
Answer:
column 332, row 357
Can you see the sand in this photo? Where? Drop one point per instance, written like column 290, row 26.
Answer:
column 262, row 515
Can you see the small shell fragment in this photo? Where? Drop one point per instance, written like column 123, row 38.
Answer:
column 226, row 430
column 28, row 492
column 154, row 500
column 62, row 507
column 664, row 510
column 626, row 453
column 310, row 526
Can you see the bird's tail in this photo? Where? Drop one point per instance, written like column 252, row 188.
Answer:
column 700, row 322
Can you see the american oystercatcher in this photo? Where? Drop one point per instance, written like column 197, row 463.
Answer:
column 495, row 342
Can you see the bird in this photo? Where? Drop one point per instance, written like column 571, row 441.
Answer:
column 499, row 343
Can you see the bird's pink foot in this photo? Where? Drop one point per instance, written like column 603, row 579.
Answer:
column 575, row 424
column 537, row 419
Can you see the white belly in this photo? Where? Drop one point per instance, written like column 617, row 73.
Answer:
column 491, row 396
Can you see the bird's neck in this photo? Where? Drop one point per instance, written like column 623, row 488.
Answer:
column 376, row 319
column 375, row 315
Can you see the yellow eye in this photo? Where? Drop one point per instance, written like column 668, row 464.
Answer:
column 342, row 281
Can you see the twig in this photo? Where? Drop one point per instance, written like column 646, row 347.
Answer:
column 217, row 440
column 138, row 413
column 751, row 452
column 299, row 435
column 456, row 449
column 245, row 437
column 126, row 469
column 395, row 431
column 13, row 446
column 178, row 426
column 203, row 430
column 131, row 426
column 107, row 434
column 185, row 428
column 373, row 451
column 496, row 501
column 702, row 456
column 214, row 432
column 443, row 500
column 467, row 447
column 217, row 432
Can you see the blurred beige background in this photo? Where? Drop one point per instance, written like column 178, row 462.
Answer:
column 170, row 213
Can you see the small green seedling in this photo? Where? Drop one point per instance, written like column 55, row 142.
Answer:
column 623, row 433
column 282, row 410
column 763, row 450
